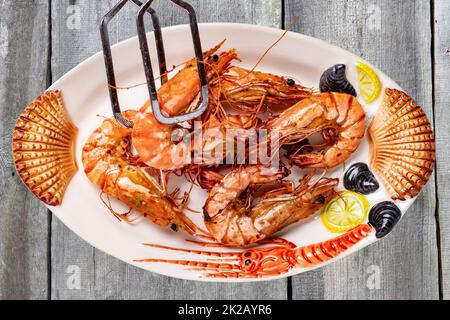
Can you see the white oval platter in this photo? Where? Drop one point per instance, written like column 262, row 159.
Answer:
column 85, row 93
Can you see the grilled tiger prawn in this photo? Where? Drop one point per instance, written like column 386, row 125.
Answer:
column 232, row 219
column 340, row 119
column 244, row 90
column 154, row 141
column 106, row 163
column 182, row 92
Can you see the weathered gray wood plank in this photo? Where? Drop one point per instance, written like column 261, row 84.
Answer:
column 442, row 116
column 23, row 220
column 396, row 36
column 103, row 277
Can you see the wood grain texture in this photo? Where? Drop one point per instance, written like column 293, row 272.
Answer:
column 442, row 116
column 399, row 42
column 103, row 277
column 23, row 220
column 395, row 36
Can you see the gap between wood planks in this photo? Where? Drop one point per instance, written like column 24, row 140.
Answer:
column 49, row 213
column 436, row 184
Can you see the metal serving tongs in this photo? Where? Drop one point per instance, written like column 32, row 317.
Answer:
column 146, row 8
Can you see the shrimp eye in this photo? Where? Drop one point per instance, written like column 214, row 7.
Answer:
column 215, row 58
column 248, row 262
column 290, row 82
column 320, row 199
column 174, row 227
column 206, row 217
column 177, row 136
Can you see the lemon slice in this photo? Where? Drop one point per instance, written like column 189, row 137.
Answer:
column 369, row 83
column 345, row 212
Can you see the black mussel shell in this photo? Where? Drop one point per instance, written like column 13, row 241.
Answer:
column 383, row 217
column 335, row 80
column 360, row 179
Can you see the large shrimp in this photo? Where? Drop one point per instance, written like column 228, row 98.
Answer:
column 183, row 91
column 172, row 147
column 154, row 142
column 340, row 119
column 270, row 261
column 232, row 220
column 106, row 163
column 244, row 90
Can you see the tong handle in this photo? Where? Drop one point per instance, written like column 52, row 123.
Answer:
column 148, row 66
column 107, row 54
column 109, row 65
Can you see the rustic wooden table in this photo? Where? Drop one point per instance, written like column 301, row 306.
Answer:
column 41, row 40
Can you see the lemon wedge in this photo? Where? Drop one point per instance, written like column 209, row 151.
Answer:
column 345, row 212
column 369, row 83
